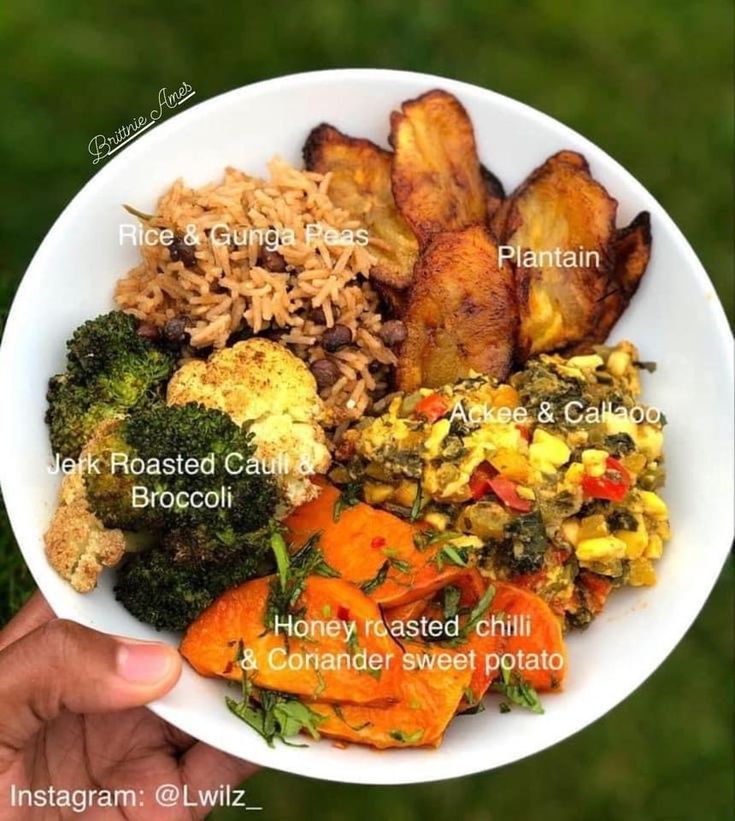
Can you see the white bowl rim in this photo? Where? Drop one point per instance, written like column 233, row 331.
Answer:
column 310, row 765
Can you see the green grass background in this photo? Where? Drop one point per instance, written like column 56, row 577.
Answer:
column 650, row 82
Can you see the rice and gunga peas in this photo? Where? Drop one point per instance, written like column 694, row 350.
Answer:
column 246, row 255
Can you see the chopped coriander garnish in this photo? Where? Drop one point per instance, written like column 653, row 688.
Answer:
column 280, row 551
column 340, row 715
column 416, row 507
column 276, row 716
column 321, row 684
column 272, row 715
column 406, row 738
column 451, row 555
column 293, row 572
column 517, row 690
column 426, row 538
column 353, row 643
column 451, row 596
column 349, row 497
column 474, row 705
column 372, row 584
column 400, row 565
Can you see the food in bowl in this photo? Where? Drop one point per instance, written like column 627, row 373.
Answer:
column 315, row 438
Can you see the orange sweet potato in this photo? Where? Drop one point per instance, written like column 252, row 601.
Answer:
column 491, row 639
column 545, row 634
column 485, row 648
column 429, row 699
column 405, row 612
column 211, row 643
column 366, row 542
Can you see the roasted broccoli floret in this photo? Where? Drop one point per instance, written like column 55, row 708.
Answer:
column 155, row 466
column 110, row 369
column 170, row 585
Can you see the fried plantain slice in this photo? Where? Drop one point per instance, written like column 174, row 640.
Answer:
column 461, row 313
column 559, row 209
column 494, row 192
column 437, row 181
column 361, row 184
column 632, row 253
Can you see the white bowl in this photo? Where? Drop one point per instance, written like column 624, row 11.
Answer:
column 675, row 319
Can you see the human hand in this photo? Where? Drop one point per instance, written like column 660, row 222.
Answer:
column 72, row 718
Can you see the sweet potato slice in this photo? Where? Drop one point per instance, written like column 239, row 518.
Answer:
column 545, row 635
column 371, row 547
column 512, row 613
column 437, row 181
column 405, row 612
column 461, row 315
column 429, row 698
column 632, row 253
column 560, row 208
column 361, row 184
column 484, row 646
column 211, row 643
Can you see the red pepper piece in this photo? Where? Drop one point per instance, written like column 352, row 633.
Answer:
column 432, row 407
column 378, row 542
column 524, row 431
column 480, row 480
column 613, row 485
column 507, row 491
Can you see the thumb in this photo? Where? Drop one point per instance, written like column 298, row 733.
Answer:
column 64, row 666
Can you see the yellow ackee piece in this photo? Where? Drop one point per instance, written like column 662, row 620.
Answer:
column 635, row 540
column 594, row 461
column 574, row 473
column 641, row 573
column 405, row 493
column 619, row 424
column 469, row 542
column 439, row 431
column 570, row 531
column 617, row 362
column 586, row 363
column 601, row 549
column 377, row 492
column 437, row 520
column 655, row 547
column 653, row 504
column 548, row 452
column 650, row 440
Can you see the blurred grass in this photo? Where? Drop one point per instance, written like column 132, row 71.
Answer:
column 650, row 82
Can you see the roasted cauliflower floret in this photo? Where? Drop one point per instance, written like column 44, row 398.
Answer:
column 261, row 382
column 78, row 545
